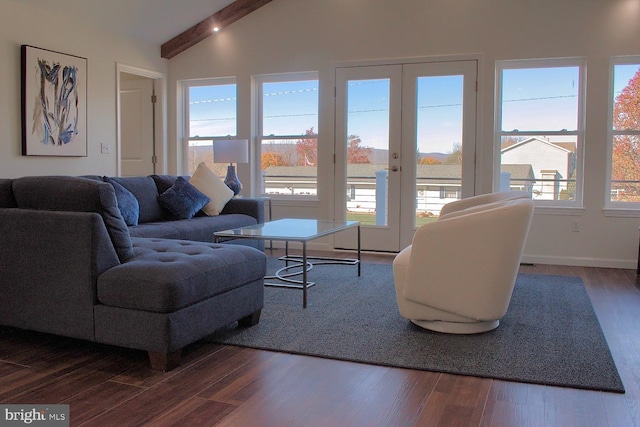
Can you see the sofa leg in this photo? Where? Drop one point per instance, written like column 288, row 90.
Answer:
column 250, row 320
column 164, row 361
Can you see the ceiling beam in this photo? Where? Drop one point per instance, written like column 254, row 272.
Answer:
column 221, row 19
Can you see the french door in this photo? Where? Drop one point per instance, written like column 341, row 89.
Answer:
column 405, row 146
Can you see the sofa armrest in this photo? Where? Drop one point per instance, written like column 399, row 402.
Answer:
column 247, row 206
column 49, row 265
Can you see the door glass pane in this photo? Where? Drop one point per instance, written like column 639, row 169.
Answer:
column 367, row 146
column 438, row 144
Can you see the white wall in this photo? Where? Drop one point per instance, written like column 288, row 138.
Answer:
column 304, row 35
column 24, row 25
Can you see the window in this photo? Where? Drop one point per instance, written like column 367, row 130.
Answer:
column 540, row 128
column 210, row 113
column 448, row 193
column 624, row 134
column 287, row 133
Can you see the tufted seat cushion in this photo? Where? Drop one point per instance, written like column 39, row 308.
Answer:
column 166, row 275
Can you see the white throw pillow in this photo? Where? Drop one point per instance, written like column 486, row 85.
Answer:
column 209, row 184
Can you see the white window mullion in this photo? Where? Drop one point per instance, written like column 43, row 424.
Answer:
column 286, row 109
column 210, row 112
column 623, row 164
column 540, row 128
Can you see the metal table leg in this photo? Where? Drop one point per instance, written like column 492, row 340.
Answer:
column 304, row 274
column 359, row 260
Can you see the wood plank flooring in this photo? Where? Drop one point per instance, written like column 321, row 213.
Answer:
column 219, row 385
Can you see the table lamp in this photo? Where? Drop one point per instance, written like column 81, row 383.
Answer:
column 231, row 151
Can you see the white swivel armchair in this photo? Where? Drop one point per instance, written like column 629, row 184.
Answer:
column 482, row 199
column 458, row 275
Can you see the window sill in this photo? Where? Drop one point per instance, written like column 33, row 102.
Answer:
column 555, row 210
column 621, row 212
column 293, row 201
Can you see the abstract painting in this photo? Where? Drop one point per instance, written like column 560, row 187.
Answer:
column 54, row 103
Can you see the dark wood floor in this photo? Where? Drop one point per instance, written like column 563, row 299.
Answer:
column 232, row 386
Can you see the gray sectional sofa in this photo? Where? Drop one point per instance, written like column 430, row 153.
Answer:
column 71, row 266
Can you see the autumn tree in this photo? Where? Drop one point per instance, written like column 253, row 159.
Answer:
column 307, row 150
column 271, row 158
column 626, row 148
column 357, row 153
column 428, row 160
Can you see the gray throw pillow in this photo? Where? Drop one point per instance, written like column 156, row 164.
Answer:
column 183, row 199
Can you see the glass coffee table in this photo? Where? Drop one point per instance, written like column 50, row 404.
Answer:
column 295, row 230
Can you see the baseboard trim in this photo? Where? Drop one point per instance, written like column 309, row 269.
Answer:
column 581, row 261
column 627, row 264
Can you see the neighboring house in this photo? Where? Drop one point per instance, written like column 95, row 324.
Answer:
column 290, row 180
column 436, row 185
column 553, row 165
column 517, row 177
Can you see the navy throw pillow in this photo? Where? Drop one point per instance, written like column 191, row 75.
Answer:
column 164, row 182
column 127, row 202
column 183, row 199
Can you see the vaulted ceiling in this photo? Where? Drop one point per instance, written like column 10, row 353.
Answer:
column 224, row 17
column 173, row 24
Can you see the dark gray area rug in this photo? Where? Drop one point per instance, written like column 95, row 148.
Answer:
column 550, row 334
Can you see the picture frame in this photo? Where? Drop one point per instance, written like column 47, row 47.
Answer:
column 54, row 103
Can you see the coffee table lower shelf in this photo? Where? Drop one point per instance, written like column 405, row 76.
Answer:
column 301, row 231
column 285, row 273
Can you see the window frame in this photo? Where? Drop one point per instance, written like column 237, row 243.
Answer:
column 186, row 85
column 260, row 137
column 562, row 206
column 611, row 207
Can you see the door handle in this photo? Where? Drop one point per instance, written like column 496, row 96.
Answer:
column 394, row 169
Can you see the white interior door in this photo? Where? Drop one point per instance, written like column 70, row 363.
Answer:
column 136, row 119
column 405, row 135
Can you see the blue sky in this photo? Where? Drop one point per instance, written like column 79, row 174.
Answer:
column 623, row 74
column 533, row 99
column 540, row 99
column 213, row 110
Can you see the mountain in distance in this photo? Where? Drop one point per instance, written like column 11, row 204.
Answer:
column 380, row 156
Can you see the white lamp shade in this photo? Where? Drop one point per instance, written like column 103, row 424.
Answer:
column 231, row 151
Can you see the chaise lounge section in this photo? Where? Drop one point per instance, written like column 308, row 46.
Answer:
column 69, row 266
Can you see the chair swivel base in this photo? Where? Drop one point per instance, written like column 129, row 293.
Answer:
column 456, row 327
